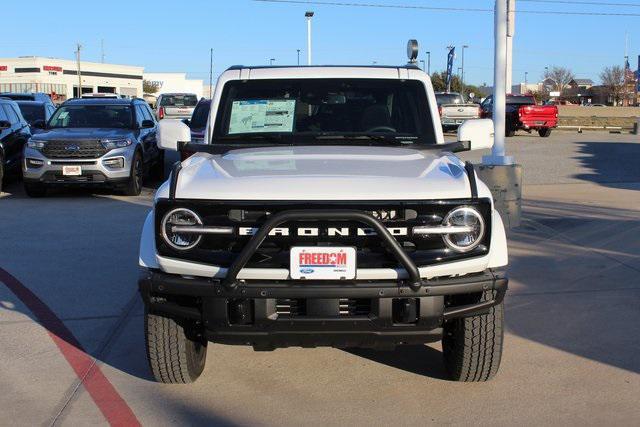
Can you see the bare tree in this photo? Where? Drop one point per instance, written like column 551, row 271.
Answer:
column 613, row 79
column 560, row 75
column 150, row 87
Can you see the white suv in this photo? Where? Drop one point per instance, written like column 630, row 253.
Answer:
column 324, row 209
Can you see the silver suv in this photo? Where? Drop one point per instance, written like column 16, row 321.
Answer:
column 94, row 142
column 176, row 105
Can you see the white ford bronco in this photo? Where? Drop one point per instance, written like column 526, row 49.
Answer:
column 324, row 209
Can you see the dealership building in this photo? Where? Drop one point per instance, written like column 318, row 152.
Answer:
column 174, row 83
column 59, row 77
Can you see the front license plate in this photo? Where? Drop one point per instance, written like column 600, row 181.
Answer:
column 539, row 122
column 71, row 170
column 323, row 263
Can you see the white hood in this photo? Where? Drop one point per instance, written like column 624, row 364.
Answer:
column 323, row 173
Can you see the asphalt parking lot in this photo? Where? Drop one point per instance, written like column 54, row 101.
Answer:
column 72, row 347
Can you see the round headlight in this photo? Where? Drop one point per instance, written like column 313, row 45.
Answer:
column 171, row 224
column 470, row 221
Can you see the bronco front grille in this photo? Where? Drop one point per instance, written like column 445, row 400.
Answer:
column 76, row 149
column 347, row 307
column 246, row 217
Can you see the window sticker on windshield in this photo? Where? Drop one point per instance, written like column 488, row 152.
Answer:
column 262, row 115
column 63, row 115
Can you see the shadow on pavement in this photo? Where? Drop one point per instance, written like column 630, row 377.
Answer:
column 612, row 163
column 574, row 281
column 417, row 359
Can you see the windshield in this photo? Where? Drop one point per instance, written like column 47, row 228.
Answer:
column 521, row 100
column 449, row 98
column 32, row 112
column 325, row 108
column 92, row 116
column 185, row 100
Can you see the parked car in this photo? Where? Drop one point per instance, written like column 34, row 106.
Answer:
column 36, row 113
column 198, row 121
column 27, row 96
column 14, row 134
column 94, row 142
column 522, row 113
column 454, row 110
column 175, row 105
column 323, row 211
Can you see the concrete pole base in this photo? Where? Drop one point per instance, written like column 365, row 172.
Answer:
column 505, row 183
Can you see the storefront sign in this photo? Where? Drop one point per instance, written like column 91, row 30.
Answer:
column 52, row 68
column 3, row 68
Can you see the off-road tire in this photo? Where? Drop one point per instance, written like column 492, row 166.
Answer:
column 35, row 190
column 134, row 184
column 472, row 346
column 544, row 132
column 156, row 172
column 173, row 357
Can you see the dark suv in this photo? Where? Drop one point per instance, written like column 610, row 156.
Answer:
column 104, row 142
column 14, row 133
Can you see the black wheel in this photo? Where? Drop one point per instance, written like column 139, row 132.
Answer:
column 509, row 132
column 172, row 356
column 156, row 173
column 35, row 190
column 544, row 132
column 472, row 346
column 134, row 184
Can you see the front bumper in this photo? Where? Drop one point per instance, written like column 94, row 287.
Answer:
column 94, row 171
column 248, row 313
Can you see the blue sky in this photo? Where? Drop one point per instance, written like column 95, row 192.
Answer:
column 176, row 36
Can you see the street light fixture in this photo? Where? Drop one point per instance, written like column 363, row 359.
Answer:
column 462, row 77
column 429, row 63
column 309, row 14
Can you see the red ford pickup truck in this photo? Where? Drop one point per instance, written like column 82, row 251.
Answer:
column 524, row 114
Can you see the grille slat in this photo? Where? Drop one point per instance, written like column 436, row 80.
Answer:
column 86, row 149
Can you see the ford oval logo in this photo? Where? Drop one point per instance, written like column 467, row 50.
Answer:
column 306, row 270
column 72, row 147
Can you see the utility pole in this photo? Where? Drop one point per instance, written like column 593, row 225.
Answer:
column 309, row 15
column 511, row 27
column 79, row 46
column 498, row 156
column 211, row 74
column 298, row 56
column 462, row 77
column 102, row 50
column 429, row 63
column 498, row 171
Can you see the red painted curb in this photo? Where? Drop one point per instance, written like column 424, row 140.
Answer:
column 107, row 399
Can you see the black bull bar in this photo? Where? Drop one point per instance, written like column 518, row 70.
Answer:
column 391, row 244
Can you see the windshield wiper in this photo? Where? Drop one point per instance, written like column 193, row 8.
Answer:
column 395, row 139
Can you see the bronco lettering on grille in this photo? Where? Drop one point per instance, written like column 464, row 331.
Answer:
column 330, row 231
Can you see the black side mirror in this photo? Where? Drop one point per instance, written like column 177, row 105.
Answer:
column 147, row 124
column 186, row 122
column 4, row 124
column 39, row 124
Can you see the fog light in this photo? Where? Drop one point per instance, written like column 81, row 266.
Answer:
column 35, row 163
column 115, row 163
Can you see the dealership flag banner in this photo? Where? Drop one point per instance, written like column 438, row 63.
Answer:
column 450, row 58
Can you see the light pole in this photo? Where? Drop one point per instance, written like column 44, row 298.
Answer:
column 309, row 15
column 429, row 63
column 462, row 77
column 423, row 65
column 211, row 76
column 271, row 61
column 526, row 81
column 298, row 56
column 79, row 72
